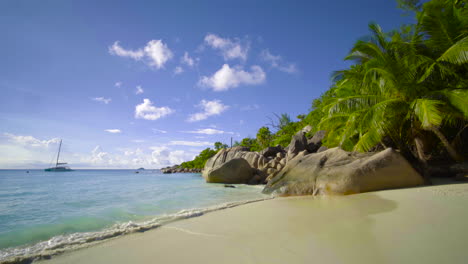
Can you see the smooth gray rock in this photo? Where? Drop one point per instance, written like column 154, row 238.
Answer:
column 298, row 144
column 255, row 160
column 318, row 137
column 322, row 148
column 335, row 171
column 315, row 142
column 234, row 171
column 271, row 151
column 306, row 129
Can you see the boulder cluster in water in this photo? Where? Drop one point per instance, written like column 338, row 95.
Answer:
column 306, row 167
column 179, row 169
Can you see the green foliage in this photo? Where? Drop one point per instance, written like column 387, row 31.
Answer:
column 264, row 137
column 200, row 160
column 250, row 143
column 403, row 84
column 283, row 136
column 410, row 5
column 218, row 145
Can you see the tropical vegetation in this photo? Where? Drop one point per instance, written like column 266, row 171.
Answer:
column 406, row 88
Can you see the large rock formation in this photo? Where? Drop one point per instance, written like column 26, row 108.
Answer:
column 335, row 171
column 271, row 151
column 233, row 171
column 298, row 144
column 255, row 160
column 179, row 169
column 315, row 142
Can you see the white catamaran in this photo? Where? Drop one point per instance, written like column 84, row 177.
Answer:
column 57, row 163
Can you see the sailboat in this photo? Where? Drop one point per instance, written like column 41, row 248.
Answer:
column 59, row 165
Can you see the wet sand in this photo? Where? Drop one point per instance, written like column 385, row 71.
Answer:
column 418, row 225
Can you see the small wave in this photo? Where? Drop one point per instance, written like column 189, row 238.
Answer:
column 61, row 243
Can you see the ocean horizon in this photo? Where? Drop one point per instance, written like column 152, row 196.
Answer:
column 40, row 210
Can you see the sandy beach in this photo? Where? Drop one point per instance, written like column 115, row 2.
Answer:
column 417, row 225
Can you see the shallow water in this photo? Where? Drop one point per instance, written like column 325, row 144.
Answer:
column 38, row 206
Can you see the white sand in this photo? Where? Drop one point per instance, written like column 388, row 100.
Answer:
column 420, row 225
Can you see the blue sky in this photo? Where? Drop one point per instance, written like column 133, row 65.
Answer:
column 131, row 84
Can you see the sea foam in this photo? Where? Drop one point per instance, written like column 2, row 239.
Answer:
column 61, row 243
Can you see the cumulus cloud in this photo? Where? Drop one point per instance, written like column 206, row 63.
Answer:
column 118, row 84
column 99, row 156
column 117, row 50
column 210, row 108
column 277, row 62
column 187, row 60
column 227, row 77
column 178, row 70
column 139, row 90
column 148, row 111
column 158, row 52
column 163, row 156
column 230, row 48
column 19, row 151
column 30, row 141
column 191, row 143
column 102, row 100
column 155, row 53
column 113, row 131
column 209, row 131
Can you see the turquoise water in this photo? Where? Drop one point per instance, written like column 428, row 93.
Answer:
column 38, row 206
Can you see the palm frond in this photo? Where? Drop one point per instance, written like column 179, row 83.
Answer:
column 457, row 53
column 427, row 111
column 368, row 141
column 458, row 98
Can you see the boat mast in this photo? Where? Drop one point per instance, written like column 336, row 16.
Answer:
column 58, row 154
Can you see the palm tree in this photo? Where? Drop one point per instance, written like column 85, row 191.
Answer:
column 402, row 86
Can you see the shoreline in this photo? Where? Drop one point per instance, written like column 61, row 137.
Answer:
column 66, row 243
column 415, row 225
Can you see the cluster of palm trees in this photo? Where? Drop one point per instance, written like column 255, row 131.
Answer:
column 407, row 89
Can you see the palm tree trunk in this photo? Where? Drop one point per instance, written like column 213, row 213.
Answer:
column 420, row 150
column 450, row 149
column 422, row 159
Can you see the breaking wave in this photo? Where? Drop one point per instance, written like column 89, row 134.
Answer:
column 61, row 243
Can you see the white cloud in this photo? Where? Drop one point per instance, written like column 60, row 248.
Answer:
column 250, row 107
column 113, row 131
column 155, row 130
column 227, row 77
column 138, row 140
column 155, row 53
column 158, row 52
column 99, row 156
column 30, row 141
column 277, row 62
column 187, row 60
column 148, row 111
column 19, row 152
column 178, row 70
column 230, row 48
column 162, row 156
column 117, row 50
column 102, row 100
column 209, row 131
column 210, row 108
column 139, row 90
column 191, row 143
column 118, row 84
